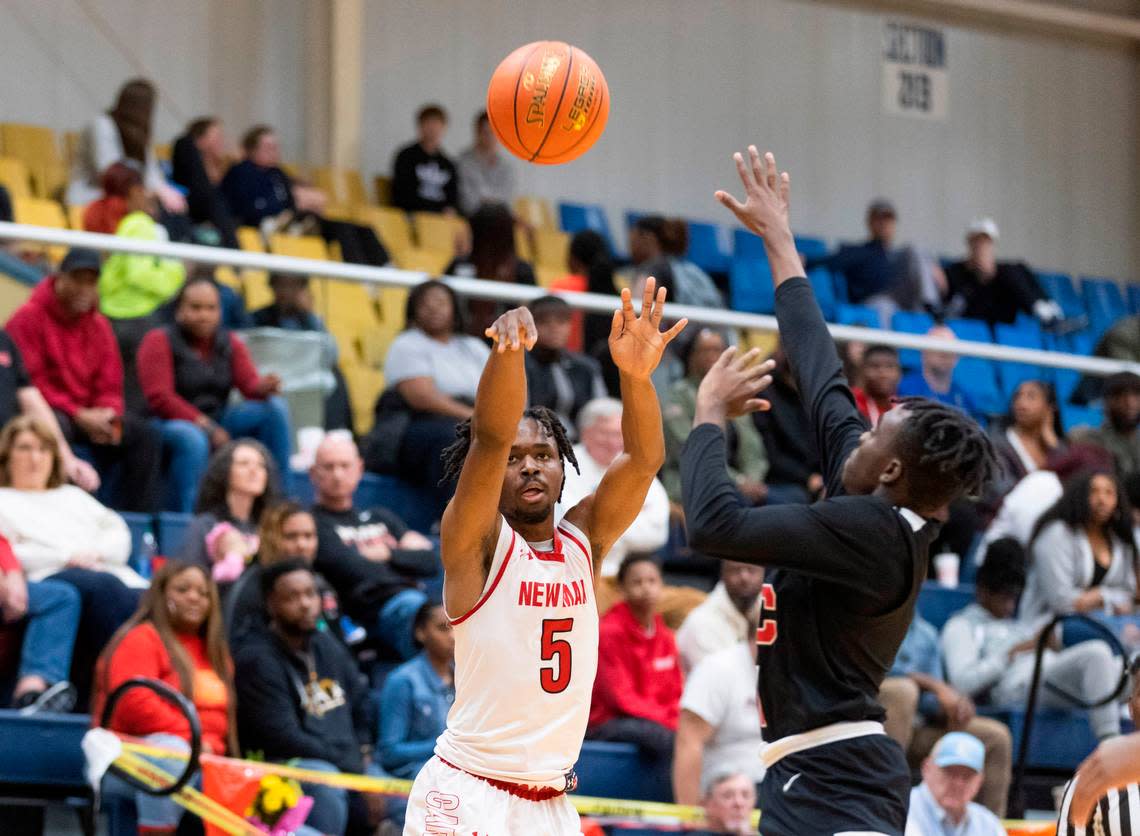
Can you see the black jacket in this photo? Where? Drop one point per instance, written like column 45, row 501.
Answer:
column 204, row 201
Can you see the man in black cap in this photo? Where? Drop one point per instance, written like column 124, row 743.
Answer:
column 1118, row 434
column 73, row 359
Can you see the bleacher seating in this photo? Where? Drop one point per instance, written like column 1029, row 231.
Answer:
column 824, row 287
column 1059, row 287
column 937, row 603
column 747, row 245
column 617, row 770
column 861, row 315
column 1022, row 334
column 911, row 322
column 974, row 374
column 750, row 285
column 575, row 217
column 1104, row 302
column 709, row 247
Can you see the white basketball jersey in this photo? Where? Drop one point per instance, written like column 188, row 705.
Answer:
column 525, row 659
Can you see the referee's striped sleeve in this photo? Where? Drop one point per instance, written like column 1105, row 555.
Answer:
column 1117, row 813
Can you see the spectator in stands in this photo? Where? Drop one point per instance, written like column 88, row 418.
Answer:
column 73, row 359
column 486, row 175
column 981, row 287
column 657, row 247
column 60, row 532
column 591, row 271
column 936, row 378
column 1036, row 493
column 1029, row 434
column 943, row 802
column 292, row 310
column 287, row 532
column 990, row 653
column 424, row 179
column 729, row 803
column 199, row 161
column 601, row 442
column 1118, row 434
column 719, row 727
column 556, row 377
column 260, row 193
column 301, row 697
column 1083, row 553
column 637, row 692
column 881, row 377
column 921, row 706
column 417, row 696
column 747, row 459
column 724, row 618
column 240, row 482
column 369, row 555
column 11, row 263
column 123, row 134
column 793, row 463
column 176, row 637
column 131, row 287
column 49, row 612
column 188, row 372
column 492, row 256
column 431, row 370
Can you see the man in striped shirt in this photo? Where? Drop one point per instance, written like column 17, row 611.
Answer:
column 1114, row 769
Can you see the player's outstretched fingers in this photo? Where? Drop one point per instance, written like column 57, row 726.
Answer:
column 627, row 313
column 658, row 306
column 773, row 178
column 746, row 359
column 725, row 357
column 672, row 333
column 758, row 172
column 647, row 294
column 616, row 325
column 729, row 202
column 785, row 188
column 746, row 175
column 530, row 333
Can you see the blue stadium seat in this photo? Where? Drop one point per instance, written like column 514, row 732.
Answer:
column 418, row 507
column 171, row 530
column 576, row 217
column 911, row 322
column 861, row 315
column 1076, row 416
column 1105, row 303
column 820, row 278
column 709, row 247
column 750, row 285
column 140, row 525
column 1061, row 739
column 1134, row 298
column 632, row 216
column 1059, row 288
column 747, row 245
column 937, row 603
column 839, row 282
column 973, row 374
column 810, row 247
column 42, row 749
column 1022, row 334
column 616, row 770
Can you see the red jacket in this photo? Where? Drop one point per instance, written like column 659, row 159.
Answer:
column 639, row 675
column 141, row 712
column 156, row 375
column 73, row 361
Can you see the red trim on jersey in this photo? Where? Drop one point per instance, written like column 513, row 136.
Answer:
column 585, row 551
column 554, row 555
column 491, row 588
column 518, row 790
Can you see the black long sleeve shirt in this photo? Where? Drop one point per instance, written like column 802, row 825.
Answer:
column 845, row 571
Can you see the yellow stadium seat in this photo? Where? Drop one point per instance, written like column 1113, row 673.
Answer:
column 391, row 226
column 75, row 215
column 299, row 246
column 15, row 178
column 228, row 276
column 546, row 276
column 427, row 261
column 162, row 152
column 552, row 249
column 255, row 290
column 392, row 306
column 766, row 341
column 249, row 239
column 36, row 211
column 441, row 233
column 346, row 301
column 71, row 142
column 12, row 295
column 36, row 146
column 535, row 211
column 296, row 171
column 524, row 248
column 383, row 186
column 364, row 387
column 344, row 186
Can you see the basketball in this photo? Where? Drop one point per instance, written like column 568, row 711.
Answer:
column 548, row 102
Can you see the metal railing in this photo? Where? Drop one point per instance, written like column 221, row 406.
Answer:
column 507, row 292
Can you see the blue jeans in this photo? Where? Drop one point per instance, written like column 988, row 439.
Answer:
column 53, row 617
column 394, row 622
column 185, row 451
column 154, row 811
column 267, row 421
column 330, row 804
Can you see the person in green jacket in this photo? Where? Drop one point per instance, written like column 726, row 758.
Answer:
column 747, row 458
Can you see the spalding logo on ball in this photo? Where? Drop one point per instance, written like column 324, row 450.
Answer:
column 548, row 102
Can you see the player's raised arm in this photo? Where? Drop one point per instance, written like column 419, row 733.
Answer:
column 636, row 345
column 471, row 520
column 803, row 334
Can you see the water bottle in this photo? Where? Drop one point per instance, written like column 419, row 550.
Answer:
column 147, row 553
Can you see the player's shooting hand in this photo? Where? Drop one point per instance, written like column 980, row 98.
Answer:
column 513, row 330
column 637, row 342
column 766, row 193
column 731, row 387
column 1113, row 764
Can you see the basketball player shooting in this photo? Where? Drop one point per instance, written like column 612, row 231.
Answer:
column 844, row 573
column 519, row 588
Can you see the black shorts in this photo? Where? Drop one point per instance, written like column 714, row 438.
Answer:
column 861, row 785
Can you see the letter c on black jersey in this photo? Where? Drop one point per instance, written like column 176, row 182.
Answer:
column 768, row 627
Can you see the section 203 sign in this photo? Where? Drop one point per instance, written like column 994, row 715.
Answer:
column 914, row 71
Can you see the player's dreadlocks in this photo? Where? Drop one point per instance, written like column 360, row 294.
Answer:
column 946, row 452
column 455, row 454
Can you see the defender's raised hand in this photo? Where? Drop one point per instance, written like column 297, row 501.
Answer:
column 513, row 330
column 637, row 342
column 766, row 194
column 731, row 386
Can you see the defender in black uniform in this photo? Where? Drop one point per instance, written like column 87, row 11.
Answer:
column 846, row 570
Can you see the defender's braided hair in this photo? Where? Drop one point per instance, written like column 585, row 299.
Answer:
column 455, row 454
column 947, row 453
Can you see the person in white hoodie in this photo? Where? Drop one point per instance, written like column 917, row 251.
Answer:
column 60, row 531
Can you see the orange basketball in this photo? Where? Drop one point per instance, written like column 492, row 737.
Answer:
column 548, row 102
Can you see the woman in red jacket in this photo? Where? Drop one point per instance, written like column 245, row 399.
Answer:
column 175, row 637
column 637, row 693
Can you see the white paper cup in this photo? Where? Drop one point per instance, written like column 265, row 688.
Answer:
column 946, row 569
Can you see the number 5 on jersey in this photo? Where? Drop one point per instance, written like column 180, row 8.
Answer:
column 555, row 677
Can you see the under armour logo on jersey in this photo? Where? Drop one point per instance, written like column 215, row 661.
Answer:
column 768, row 628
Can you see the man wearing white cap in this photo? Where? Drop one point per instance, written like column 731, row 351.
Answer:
column 981, row 287
column 942, row 804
